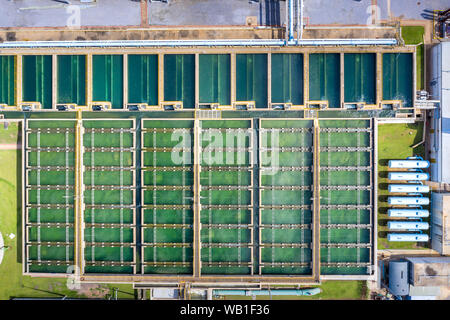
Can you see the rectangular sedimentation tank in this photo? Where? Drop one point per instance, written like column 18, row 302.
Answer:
column 212, row 212
column 302, row 78
column 257, row 217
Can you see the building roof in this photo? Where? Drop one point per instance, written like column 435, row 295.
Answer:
column 421, row 297
column 429, row 260
column 441, row 223
column 429, row 271
column 398, row 278
column 164, row 293
column 445, row 109
column 424, row 291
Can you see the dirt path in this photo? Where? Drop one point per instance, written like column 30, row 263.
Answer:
column 1, row 246
column 10, row 146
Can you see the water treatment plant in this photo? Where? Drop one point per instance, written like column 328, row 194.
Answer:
column 244, row 161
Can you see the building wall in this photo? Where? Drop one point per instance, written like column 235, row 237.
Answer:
column 435, row 69
column 436, row 222
column 445, row 107
column 439, row 87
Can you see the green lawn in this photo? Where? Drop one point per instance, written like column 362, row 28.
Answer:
column 414, row 35
column 12, row 282
column 9, row 135
column 331, row 290
column 395, row 141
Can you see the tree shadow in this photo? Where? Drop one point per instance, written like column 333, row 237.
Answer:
column 44, row 291
column 383, row 210
column 382, row 234
column 382, row 198
column 383, row 162
column 383, row 174
column 383, row 186
column 383, row 222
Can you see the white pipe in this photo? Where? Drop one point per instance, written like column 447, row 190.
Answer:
column 291, row 20
column 286, row 22
column 298, row 20
column 194, row 43
column 301, row 19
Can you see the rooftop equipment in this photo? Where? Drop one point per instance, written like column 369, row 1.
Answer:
column 414, row 176
column 404, row 188
column 408, row 200
column 408, row 225
column 410, row 237
column 408, row 213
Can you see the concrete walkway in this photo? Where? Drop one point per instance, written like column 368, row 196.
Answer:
column 408, row 252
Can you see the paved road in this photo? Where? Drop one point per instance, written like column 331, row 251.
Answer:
column 360, row 11
column 48, row 13
column 411, row 9
column 216, row 12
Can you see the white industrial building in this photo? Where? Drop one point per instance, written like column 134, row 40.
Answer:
column 440, row 223
column 440, row 90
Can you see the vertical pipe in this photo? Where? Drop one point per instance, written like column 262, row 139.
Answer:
column 301, row 19
column 197, row 81
column 286, row 22
column 342, row 78
column 54, row 81
column 160, row 78
column 414, row 67
column 233, row 78
column 269, row 80
column 306, row 78
column 298, row 20
column 89, row 78
column 291, row 20
column 379, row 79
column 125, row 81
column 19, row 81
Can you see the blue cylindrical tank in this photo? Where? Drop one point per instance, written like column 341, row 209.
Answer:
column 408, row 213
column 407, row 225
column 408, row 188
column 409, row 164
column 414, row 176
column 408, row 200
column 410, row 237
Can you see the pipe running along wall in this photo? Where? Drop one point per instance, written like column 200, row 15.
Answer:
column 275, row 292
column 195, row 43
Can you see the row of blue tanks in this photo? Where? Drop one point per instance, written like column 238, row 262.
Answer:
column 410, row 207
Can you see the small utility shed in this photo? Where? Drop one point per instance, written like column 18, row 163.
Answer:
column 423, row 293
column 429, row 271
column 439, row 87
